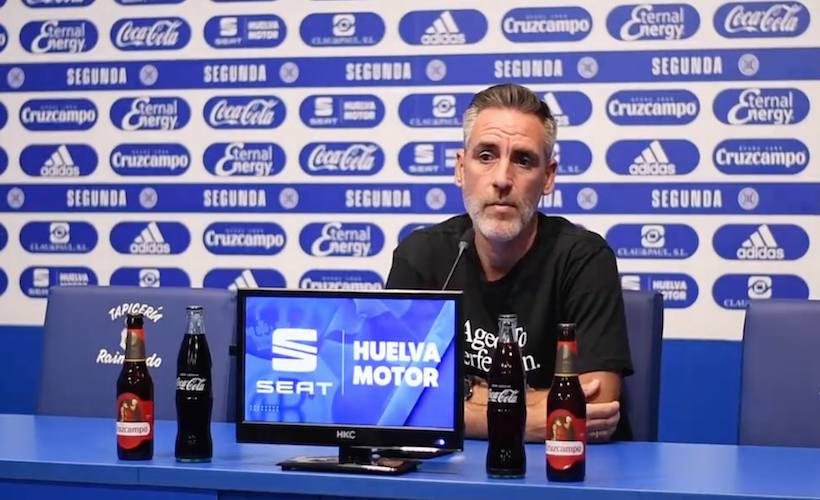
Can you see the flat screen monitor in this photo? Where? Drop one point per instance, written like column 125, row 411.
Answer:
column 371, row 372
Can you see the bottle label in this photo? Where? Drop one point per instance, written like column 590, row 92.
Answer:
column 566, row 439
column 135, row 344
column 565, row 360
column 191, row 384
column 503, row 395
column 135, row 420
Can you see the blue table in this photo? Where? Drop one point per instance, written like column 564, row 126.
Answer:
column 68, row 457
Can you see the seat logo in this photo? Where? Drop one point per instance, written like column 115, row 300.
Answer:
column 429, row 158
column 679, row 290
column 236, row 32
column 342, row 111
column 294, row 350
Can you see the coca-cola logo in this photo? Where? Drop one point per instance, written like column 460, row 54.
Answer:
column 245, row 112
column 362, row 158
column 193, row 384
column 150, row 34
column 761, row 19
column 506, row 396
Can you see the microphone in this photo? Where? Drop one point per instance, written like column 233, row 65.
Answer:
column 463, row 244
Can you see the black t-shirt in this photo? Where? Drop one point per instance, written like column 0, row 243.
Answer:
column 568, row 276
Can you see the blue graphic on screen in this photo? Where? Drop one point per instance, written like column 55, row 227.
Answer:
column 344, row 361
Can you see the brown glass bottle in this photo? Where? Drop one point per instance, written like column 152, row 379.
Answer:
column 566, row 413
column 135, row 397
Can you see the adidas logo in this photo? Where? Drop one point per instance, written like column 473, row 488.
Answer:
column 443, row 31
column 652, row 161
column 760, row 245
column 244, row 280
column 150, row 242
column 561, row 119
column 60, row 164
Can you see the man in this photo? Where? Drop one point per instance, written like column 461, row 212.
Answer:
column 544, row 269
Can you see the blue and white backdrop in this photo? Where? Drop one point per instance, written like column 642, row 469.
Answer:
column 294, row 143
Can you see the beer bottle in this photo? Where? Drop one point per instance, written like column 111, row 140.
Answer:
column 566, row 413
column 194, row 395
column 135, row 397
column 506, row 405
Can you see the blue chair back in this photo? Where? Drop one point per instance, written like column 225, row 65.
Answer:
column 83, row 345
column 641, row 391
column 780, row 380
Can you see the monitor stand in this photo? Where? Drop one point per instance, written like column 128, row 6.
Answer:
column 351, row 459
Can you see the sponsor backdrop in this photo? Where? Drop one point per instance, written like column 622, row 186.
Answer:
column 294, row 143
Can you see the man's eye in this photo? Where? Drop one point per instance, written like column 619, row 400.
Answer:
column 485, row 156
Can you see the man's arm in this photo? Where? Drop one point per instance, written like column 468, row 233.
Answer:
column 602, row 390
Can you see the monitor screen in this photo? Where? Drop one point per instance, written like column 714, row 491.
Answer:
column 377, row 368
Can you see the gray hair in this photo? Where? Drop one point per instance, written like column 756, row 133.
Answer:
column 512, row 96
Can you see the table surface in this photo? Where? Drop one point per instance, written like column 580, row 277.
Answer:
column 73, row 449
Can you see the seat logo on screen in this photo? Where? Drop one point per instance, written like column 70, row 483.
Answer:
column 653, row 22
column 235, row 32
column 342, row 29
column 294, row 349
column 58, row 37
column 151, row 33
column 761, row 19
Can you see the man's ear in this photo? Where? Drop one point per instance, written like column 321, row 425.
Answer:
column 552, row 166
column 459, row 171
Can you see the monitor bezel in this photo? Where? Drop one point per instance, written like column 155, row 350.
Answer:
column 340, row 435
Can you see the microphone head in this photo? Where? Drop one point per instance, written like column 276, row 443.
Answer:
column 466, row 239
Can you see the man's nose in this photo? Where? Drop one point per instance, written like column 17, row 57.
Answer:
column 502, row 174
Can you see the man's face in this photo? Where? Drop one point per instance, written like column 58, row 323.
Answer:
column 503, row 172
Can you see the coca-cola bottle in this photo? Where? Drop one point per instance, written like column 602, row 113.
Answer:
column 135, row 397
column 194, row 393
column 566, row 413
column 506, row 405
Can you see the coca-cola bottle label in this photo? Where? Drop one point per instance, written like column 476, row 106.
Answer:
column 503, row 395
column 191, row 383
column 135, row 420
column 566, row 439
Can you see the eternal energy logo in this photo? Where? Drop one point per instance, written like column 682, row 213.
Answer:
column 675, row 21
column 761, row 156
column 652, row 107
column 58, row 237
column 244, row 238
column 338, row 239
column 342, row 111
column 761, row 242
column 151, row 33
column 342, row 29
column 150, row 113
column 733, row 291
column 150, row 159
column 150, row 238
column 341, row 158
column 257, row 159
column 443, row 27
column 757, row 106
column 761, row 19
column 58, row 36
column 58, row 160
column 244, row 112
column 234, row 32
column 58, row 114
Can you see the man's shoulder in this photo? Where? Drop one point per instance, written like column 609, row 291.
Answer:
column 570, row 237
column 431, row 238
